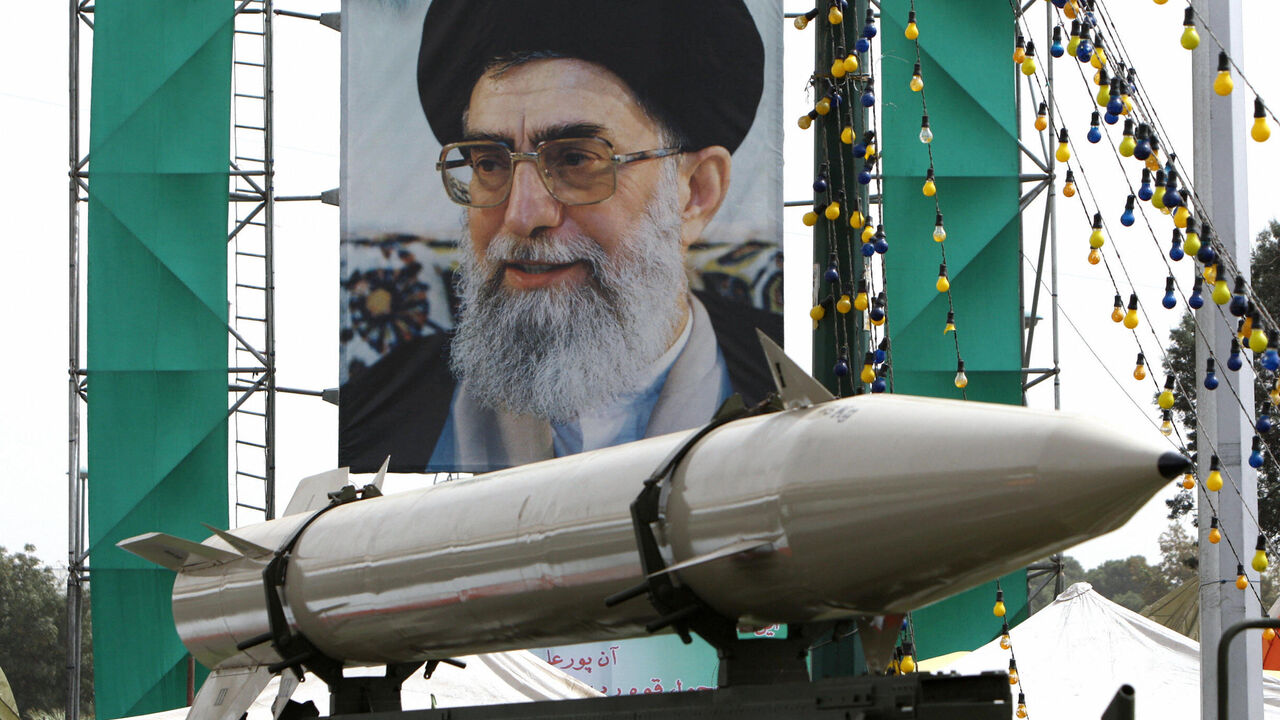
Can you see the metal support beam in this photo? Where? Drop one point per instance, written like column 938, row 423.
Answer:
column 1220, row 183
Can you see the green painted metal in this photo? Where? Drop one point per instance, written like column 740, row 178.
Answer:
column 970, row 86
column 157, row 312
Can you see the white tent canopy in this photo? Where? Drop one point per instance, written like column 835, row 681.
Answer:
column 1074, row 654
column 492, row 679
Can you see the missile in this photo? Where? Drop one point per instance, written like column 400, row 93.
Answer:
column 822, row 510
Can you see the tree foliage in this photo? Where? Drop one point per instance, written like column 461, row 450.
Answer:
column 1180, row 361
column 33, row 627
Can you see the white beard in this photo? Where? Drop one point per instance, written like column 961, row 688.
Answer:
column 559, row 351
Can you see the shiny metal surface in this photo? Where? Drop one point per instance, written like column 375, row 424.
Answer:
column 863, row 505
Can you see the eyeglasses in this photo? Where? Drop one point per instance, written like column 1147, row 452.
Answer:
column 576, row 171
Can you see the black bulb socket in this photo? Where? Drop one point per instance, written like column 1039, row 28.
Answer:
column 1133, row 301
column 1224, row 62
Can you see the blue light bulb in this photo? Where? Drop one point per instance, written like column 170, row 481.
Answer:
column 1271, row 360
column 1084, row 50
column 1263, row 425
column 882, row 245
column 1145, row 192
column 1172, row 198
column 879, row 385
column 1255, row 457
column 833, row 274
column 868, row 249
column 1056, row 49
column 1168, row 301
column 1239, row 304
column 1110, row 119
column 1115, row 105
column 1234, row 361
column 841, row 368
column 859, row 149
column 820, row 184
column 1060, row 3
column 1211, row 380
column 1095, row 135
column 862, row 45
column 1127, row 218
column 1176, row 252
column 869, row 31
column 881, row 351
column 1142, row 150
column 1206, row 255
column 864, row 176
column 877, row 313
column 868, row 99
column 1196, row 301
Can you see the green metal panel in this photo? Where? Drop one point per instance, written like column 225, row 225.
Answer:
column 157, row 344
column 970, row 81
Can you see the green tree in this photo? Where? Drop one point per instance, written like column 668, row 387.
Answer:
column 1130, row 582
column 33, row 636
column 1180, row 360
column 1179, row 555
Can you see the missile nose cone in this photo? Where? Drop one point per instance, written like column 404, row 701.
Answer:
column 1172, row 464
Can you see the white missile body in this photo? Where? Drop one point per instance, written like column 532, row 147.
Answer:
column 867, row 505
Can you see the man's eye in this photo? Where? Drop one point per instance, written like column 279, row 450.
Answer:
column 487, row 164
column 574, row 159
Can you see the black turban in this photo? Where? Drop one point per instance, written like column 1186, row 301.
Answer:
column 696, row 65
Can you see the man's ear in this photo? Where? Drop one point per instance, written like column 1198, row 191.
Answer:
column 704, row 182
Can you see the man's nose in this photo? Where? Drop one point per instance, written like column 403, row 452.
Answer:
column 530, row 206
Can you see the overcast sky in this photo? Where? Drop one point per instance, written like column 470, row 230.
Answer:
column 33, row 103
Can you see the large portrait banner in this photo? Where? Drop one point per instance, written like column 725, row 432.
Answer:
column 561, row 224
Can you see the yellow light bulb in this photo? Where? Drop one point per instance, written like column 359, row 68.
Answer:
column 868, row 373
column 1019, row 52
column 1073, row 44
column 1246, row 328
column 878, row 322
column 1165, row 401
column 801, row 22
column 810, row 218
column 856, row 219
column 1013, row 677
column 835, row 17
column 1260, row 130
column 1242, row 582
column 1153, row 161
column 1161, row 2
column 1128, row 105
column 817, row 313
column 1022, row 710
column 1259, row 561
column 1192, row 245
column 1131, row 319
column 1210, row 273
column 1140, row 373
column 943, row 284
column 962, row 380
column 949, row 327
column 846, row 136
column 1269, row 634
column 930, row 189
column 1189, row 483
column 1099, row 58
column 833, row 211
column 1097, row 239
column 1223, row 84
column 870, row 153
column 824, row 106
column 1029, row 66
column 1166, row 427
column 1180, row 216
column 1215, row 536
column 1274, row 395
column 804, row 122
column 1095, row 257
column 1221, row 293
column 1117, row 313
column 844, row 305
column 1258, row 341
column 837, row 68
column 998, row 609
column 1042, row 122
column 1104, row 95
column 1004, row 642
column 868, row 233
column 851, row 63
column 917, row 83
column 1064, row 153
column 939, row 233
column 1069, row 190
column 1157, row 199
column 1214, row 483
column 908, row 665
column 912, row 32
column 1071, row 11
column 1190, row 38
column 860, row 302
column 1127, row 144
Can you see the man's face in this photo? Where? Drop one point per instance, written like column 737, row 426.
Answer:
column 545, row 100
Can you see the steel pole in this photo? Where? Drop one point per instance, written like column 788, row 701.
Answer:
column 1220, row 181
column 74, row 509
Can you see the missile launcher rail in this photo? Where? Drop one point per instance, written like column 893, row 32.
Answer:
column 917, row 696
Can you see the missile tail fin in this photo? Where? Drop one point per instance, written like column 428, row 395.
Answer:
column 245, row 547
column 288, row 683
column 228, row 693
column 742, row 546
column 796, row 387
column 172, row 552
column 313, row 492
column 382, row 473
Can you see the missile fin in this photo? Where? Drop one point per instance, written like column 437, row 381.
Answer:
column 288, row 683
column 172, row 552
column 742, row 546
column 382, row 473
column 246, row 548
column 313, row 492
column 796, row 387
column 228, row 692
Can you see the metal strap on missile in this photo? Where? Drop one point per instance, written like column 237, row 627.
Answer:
column 678, row 606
